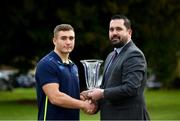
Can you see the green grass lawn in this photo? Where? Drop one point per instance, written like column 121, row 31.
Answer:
column 163, row 104
column 20, row 104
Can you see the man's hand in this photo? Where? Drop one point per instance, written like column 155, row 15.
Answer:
column 96, row 94
column 84, row 95
column 92, row 109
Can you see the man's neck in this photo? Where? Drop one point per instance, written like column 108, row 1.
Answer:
column 118, row 50
column 64, row 57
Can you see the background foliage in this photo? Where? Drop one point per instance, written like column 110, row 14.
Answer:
column 27, row 26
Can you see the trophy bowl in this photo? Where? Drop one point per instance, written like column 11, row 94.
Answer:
column 91, row 71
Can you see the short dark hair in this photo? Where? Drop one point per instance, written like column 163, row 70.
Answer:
column 127, row 22
column 63, row 27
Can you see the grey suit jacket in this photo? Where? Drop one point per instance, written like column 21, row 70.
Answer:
column 123, row 89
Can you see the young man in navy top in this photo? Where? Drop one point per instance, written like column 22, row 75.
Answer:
column 57, row 81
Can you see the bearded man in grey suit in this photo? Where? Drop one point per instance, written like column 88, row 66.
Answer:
column 121, row 96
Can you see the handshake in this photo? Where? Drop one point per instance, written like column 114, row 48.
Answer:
column 91, row 97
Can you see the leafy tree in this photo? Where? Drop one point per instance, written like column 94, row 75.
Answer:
column 27, row 26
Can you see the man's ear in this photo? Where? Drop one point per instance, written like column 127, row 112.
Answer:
column 130, row 32
column 54, row 40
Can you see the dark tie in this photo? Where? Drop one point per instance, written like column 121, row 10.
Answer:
column 110, row 63
column 114, row 57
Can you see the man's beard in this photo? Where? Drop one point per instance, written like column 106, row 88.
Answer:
column 118, row 45
column 118, row 42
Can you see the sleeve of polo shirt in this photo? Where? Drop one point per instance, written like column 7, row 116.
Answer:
column 46, row 73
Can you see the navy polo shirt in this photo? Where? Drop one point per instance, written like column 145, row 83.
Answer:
column 50, row 69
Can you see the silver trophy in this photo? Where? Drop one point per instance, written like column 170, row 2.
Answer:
column 91, row 70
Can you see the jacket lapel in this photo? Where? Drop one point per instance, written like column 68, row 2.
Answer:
column 120, row 57
column 105, row 68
